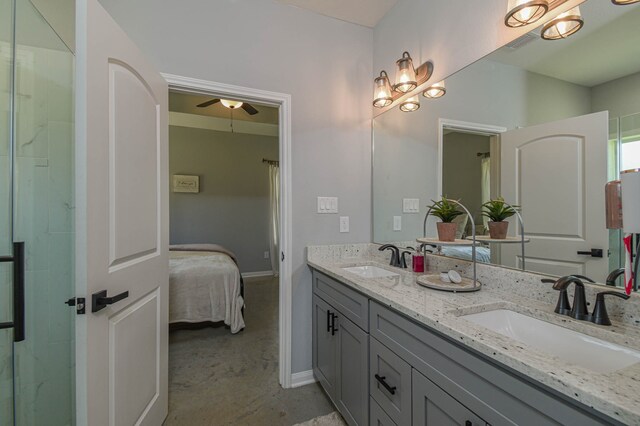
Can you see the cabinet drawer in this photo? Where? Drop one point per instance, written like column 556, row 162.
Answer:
column 496, row 394
column 390, row 382
column 377, row 416
column 350, row 303
column 434, row 407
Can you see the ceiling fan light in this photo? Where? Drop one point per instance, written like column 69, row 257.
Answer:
column 435, row 91
column 563, row 25
column 623, row 2
column 382, row 91
column 231, row 104
column 405, row 74
column 525, row 12
column 411, row 104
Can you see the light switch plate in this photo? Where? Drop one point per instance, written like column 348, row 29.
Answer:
column 327, row 205
column 397, row 223
column 344, row 223
column 410, row 205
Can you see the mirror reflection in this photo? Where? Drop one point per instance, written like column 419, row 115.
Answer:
column 544, row 124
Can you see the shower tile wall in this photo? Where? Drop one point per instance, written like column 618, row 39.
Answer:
column 44, row 219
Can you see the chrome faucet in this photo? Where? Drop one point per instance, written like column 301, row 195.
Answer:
column 395, row 255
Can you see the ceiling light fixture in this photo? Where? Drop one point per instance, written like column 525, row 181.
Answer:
column 623, row 2
column 405, row 74
column 563, row 25
column 435, row 91
column 382, row 91
column 231, row 104
column 525, row 12
column 411, row 104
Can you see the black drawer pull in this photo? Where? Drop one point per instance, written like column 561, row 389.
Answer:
column 468, row 423
column 391, row 389
column 333, row 324
column 329, row 320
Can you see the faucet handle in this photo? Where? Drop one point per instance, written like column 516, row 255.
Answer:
column 600, row 315
column 563, row 306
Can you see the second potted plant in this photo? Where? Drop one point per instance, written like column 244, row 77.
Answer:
column 498, row 212
column 446, row 211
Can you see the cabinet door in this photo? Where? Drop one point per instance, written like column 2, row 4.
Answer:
column 324, row 347
column 434, row 407
column 377, row 415
column 352, row 393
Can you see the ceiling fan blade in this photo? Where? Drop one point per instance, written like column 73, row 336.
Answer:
column 250, row 110
column 206, row 104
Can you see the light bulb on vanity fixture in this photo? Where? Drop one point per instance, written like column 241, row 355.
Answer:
column 382, row 91
column 405, row 74
column 435, row 91
column 525, row 12
column 411, row 104
column 563, row 25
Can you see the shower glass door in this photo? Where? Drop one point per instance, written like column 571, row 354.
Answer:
column 37, row 208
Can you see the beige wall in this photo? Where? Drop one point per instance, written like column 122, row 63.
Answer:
column 232, row 207
column 620, row 97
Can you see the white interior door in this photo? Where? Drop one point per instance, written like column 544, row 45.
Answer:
column 122, row 175
column 556, row 172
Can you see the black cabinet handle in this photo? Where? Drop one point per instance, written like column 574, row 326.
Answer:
column 333, row 324
column 329, row 320
column 18, row 323
column 99, row 300
column 468, row 423
column 391, row 389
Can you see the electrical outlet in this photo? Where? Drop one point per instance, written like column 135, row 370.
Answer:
column 344, row 223
column 397, row 223
column 266, row 254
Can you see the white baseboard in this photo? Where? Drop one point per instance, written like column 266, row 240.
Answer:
column 302, row 378
column 257, row 274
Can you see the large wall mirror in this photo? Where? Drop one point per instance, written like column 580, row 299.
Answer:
column 544, row 124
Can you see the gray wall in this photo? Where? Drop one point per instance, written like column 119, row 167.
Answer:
column 620, row 97
column 462, row 169
column 323, row 63
column 232, row 207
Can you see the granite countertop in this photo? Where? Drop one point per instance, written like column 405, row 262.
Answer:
column 615, row 394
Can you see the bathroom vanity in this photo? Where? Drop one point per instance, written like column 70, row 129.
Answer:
column 389, row 352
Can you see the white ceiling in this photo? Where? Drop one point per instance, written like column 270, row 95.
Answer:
column 606, row 48
column 362, row 12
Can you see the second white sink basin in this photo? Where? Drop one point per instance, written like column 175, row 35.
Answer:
column 571, row 346
column 370, row 272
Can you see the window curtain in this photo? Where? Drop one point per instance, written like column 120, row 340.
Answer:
column 274, row 218
column 485, row 182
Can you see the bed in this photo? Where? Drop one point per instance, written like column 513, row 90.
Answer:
column 205, row 285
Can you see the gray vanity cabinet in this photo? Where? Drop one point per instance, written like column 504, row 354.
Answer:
column 433, row 406
column 341, row 348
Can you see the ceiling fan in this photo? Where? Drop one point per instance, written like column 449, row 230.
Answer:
column 231, row 105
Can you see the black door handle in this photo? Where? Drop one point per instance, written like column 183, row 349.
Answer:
column 593, row 252
column 18, row 323
column 99, row 300
column 381, row 380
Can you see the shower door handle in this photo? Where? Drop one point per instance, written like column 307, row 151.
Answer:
column 18, row 291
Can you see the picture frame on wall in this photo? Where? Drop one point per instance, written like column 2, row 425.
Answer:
column 186, row 183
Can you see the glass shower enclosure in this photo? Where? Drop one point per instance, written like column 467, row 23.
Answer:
column 36, row 209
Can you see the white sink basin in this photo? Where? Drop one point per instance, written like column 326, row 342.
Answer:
column 370, row 272
column 571, row 346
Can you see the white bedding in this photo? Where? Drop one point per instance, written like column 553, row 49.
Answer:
column 483, row 254
column 204, row 286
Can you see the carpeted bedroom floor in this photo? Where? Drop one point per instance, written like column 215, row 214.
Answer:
column 216, row 378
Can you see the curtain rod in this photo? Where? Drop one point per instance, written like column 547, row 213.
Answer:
column 274, row 162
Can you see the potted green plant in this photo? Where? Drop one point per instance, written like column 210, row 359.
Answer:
column 445, row 210
column 498, row 212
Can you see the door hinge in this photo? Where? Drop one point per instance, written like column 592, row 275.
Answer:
column 79, row 303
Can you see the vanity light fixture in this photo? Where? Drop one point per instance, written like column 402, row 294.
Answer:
column 411, row 104
column 231, row 104
column 563, row 25
column 524, row 12
column 623, row 2
column 405, row 74
column 382, row 91
column 435, row 91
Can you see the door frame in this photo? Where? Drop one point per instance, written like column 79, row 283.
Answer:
column 283, row 102
column 469, row 127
